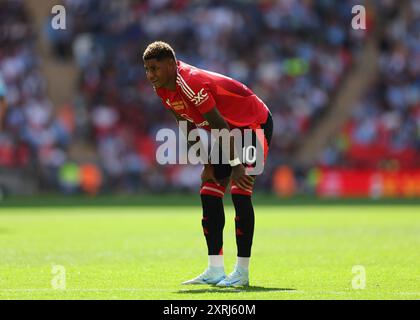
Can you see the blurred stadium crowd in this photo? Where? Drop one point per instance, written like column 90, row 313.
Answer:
column 293, row 54
column 384, row 129
column 35, row 133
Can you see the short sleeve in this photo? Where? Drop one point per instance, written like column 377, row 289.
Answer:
column 197, row 93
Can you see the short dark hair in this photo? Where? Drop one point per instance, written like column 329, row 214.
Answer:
column 159, row 50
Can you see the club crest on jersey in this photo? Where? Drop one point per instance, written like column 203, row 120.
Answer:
column 176, row 105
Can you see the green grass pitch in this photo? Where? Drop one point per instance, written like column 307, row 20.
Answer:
column 146, row 251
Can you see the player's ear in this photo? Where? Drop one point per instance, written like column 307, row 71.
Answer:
column 172, row 64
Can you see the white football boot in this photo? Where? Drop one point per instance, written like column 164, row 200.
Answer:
column 238, row 278
column 212, row 275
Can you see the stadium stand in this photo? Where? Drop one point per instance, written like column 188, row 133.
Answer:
column 383, row 130
column 34, row 136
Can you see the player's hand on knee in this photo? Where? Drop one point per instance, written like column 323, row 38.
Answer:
column 241, row 179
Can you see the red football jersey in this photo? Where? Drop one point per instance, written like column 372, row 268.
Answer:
column 198, row 91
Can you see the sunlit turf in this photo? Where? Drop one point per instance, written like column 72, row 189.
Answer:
column 145, row 252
